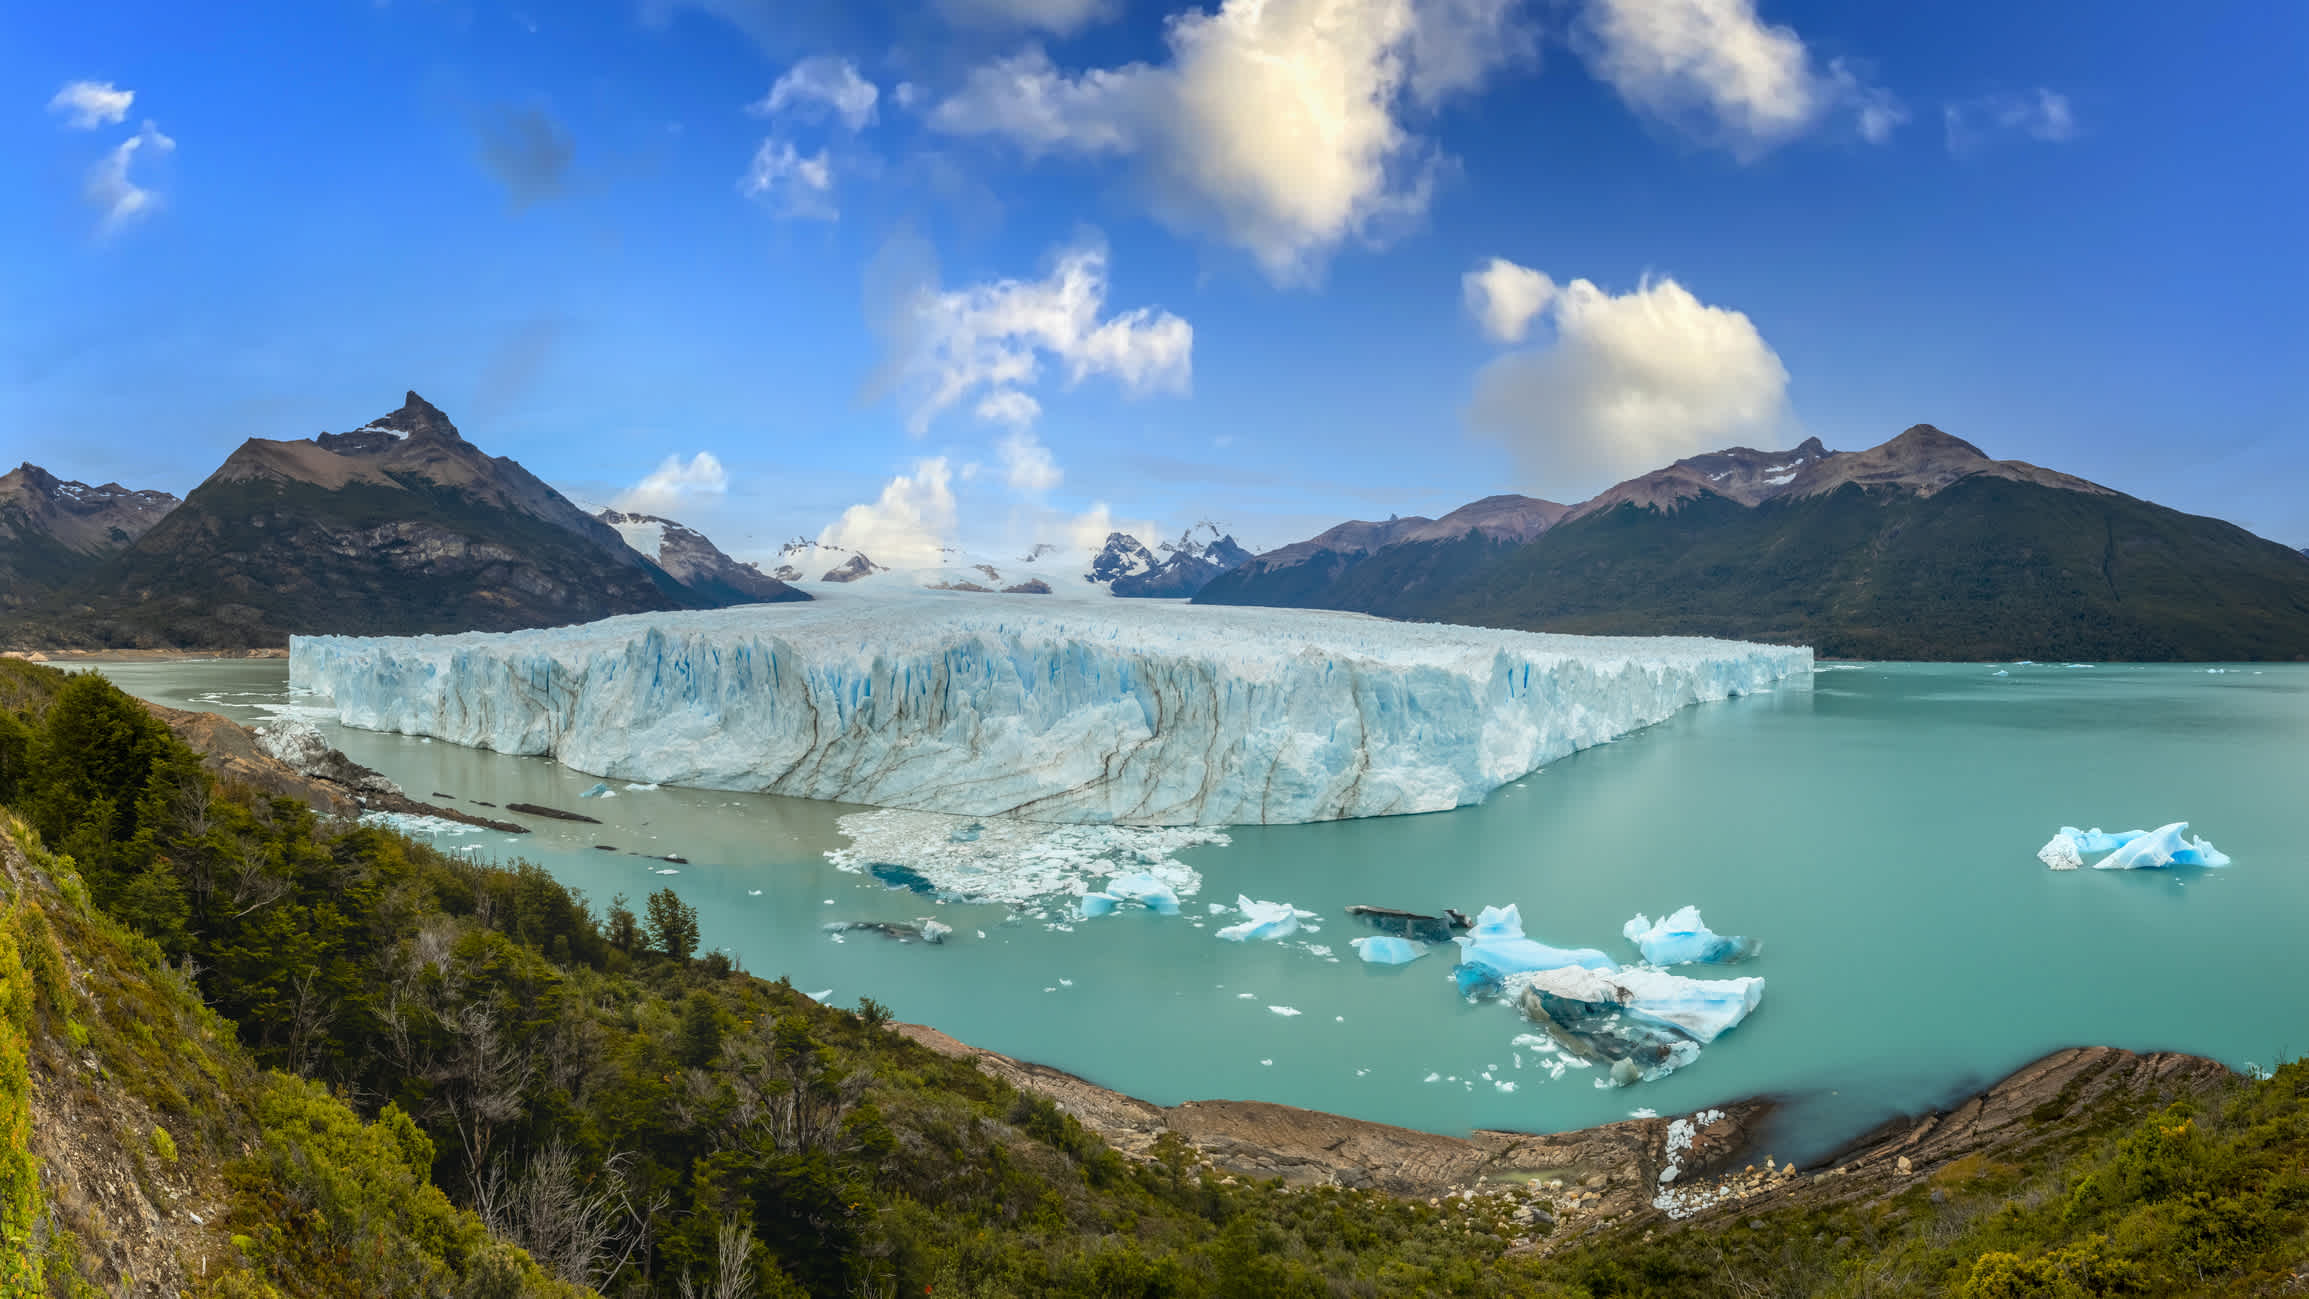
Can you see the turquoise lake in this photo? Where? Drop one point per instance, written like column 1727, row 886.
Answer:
column 1875, row 826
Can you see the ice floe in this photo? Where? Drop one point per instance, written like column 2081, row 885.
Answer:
column 1025, row 864
column 1385, row 949
column 600, row 789
column 1644, row 1023
column 1264, row 920
column 1139, row 887
column 1684, row 939
column 1497, row 940
column 413, row 823
column 2169, row 845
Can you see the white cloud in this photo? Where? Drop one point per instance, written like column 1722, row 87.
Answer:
column 87, row 105
column 2040, row 114
column 993, row 336
column 1058, row 17
column 820, row 84
column 1627, row 384
column 1086, row 533
column 790, row 182
column 1275, row 124
column 907, row 525
column 1026, row 463
column 1009, row 406
column 674, row 482
column 109, row 188
column 1503, row 297
column 1717, row 69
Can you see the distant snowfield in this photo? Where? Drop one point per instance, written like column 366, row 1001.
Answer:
column 1143, row 712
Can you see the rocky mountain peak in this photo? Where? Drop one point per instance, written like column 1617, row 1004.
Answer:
column 416, row 420
column 1122, row 556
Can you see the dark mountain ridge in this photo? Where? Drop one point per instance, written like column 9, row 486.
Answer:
column 53, row 530
column 690, row 558
column 399, row 527
column 1920, row 548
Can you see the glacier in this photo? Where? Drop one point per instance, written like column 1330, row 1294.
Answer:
column 1684, row 939
column 1123, row 712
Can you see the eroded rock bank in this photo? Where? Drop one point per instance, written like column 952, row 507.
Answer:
column 1570, row 1184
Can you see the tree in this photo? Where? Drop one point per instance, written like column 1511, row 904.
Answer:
column 624, row 932
column 672, row 926
column 699, row 1039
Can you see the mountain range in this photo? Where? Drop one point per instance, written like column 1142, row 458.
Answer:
column 400, row 526
column 1922, row 547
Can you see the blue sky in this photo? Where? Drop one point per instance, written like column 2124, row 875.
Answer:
column 1000, row 270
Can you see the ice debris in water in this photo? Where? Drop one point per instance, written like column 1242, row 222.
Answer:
column 412, row 823
column 1497, row 940
column 1124, row 712
column 1644, row 1023
column 2169, row 845
column 1026, row 864
column 600, row 789
column 1385, row 949
column 642, row 787
column 1137, row 886
column 1264, row 920
column 1683, row 939
column 1285, row 1011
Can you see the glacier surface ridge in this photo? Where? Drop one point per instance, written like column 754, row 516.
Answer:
column 1145, row 713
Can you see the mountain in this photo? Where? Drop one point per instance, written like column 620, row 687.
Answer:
column 685, row 555
column 1922, row 547
column 1401, row 556
column 398, row 527
column 1187, row 565
column 53, row 530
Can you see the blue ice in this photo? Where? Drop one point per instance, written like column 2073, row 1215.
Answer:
column 1497, row 940
column 2168, row 845
column 1683, row 939
column 1385, row 949
column 1264, row 920
column 600, row 790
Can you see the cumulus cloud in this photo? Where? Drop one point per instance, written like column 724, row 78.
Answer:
column 1026, row 463
column 1275, row 125
column 1718, row 70
column 87, row 105
column 674, row 482
column 992, row 338
column 1503, row 297
column 110, row 189
column 820, row 85
column 907, row 525
column 790, row 182
column 2041, row 114
column 528, row 151
column 1628, row 383
column 1058, row 17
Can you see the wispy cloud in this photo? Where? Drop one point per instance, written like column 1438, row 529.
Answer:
column 790, row 182
column 113, row 192
column 2040, row 114
column 818, row 85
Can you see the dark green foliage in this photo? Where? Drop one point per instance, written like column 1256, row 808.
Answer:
column 672, row 927
column 1987, row 569
column 15, row 755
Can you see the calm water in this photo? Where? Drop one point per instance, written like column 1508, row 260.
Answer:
column 1875, row 829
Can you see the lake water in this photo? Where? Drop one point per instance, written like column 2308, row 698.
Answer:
column 1875, row 827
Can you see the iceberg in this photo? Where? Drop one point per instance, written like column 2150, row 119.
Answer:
column 1122, row 712
column 1497, row 940
column 1264, row 920
column 600, row 789
column 1683, row 939
column 1477, row 981
column 1385, row 949
column 1140, row 887
column 2169, row 845
column 1644, row 1023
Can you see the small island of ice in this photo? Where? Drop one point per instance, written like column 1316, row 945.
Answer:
column 2169, row 845
column 1684, row 939
column 1126, row 712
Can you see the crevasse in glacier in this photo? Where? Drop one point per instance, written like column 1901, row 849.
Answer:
column 1148, row 713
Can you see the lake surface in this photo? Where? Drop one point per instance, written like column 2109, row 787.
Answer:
column 1875, row 827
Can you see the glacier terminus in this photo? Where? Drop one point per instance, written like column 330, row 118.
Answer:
column 1135, row 713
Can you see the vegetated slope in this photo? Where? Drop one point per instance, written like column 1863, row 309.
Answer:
column 657, row 1123
column 53, row 531
column 1919, row 548
column 400, row 527
column 1419, row 553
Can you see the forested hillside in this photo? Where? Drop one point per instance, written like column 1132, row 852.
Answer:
column 244, row 1051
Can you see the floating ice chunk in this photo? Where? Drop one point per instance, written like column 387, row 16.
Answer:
column 600, row 789
column 1285, row 1011
column 1387, row 950
column 2060, row 853
column 753, row 893
column 1644, row 1023
column 1478, row 981
column 1497, row 940
column 412, row 823
column 2099, row 840
column 1145, row 889
column 641, row 787
column 820, row 995
column 1264, row 920
column 2000, row 672
column 1099, row 904
column 1683, row 939
column 2168, row 845
column 1131, row 711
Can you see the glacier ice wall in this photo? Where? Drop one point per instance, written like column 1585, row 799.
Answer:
column 1152, row 714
